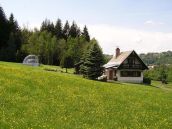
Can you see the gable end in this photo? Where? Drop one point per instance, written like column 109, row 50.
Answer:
column 133, row 61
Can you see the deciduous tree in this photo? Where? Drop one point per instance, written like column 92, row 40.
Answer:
column 67, row 61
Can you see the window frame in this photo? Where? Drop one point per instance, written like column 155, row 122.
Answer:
column 130, row 73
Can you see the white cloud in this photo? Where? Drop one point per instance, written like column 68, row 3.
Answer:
column 153, row 23
column 128, row 39
column 149, row 22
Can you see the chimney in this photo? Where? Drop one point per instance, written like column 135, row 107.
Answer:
column 117, row 52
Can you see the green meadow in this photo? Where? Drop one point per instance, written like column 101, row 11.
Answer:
column 47, row 97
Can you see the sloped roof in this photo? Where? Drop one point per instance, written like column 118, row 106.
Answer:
column 115, row 62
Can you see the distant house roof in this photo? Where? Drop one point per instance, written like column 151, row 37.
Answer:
column 115, row 62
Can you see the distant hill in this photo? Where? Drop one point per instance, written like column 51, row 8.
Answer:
column 157, row 58
column 152, row 58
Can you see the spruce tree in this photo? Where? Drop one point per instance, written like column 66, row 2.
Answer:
column 94, row 59
column 4, row 29
column 44, row 25
column 10, row 54
column 12, row 23
column 86, row 34
column 66, row 30
column 47, row 25
column 14, row 28
column 58, row 29
column 2, row 15
column 74, row 30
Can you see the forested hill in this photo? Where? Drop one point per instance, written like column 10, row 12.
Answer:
column 157, row 58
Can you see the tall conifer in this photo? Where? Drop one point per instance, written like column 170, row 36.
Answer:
column 74, row 30
column 4, row 29
column 94, row 59
column 58, row 29
column 86, row 34
column 66, row 30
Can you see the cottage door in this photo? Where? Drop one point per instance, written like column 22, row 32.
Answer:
column 111, row 75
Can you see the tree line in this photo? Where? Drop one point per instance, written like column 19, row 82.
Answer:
column 54, row 43
column 157, row 58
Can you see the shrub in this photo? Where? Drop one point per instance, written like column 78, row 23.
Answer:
column 147, row 80
column 164, row 81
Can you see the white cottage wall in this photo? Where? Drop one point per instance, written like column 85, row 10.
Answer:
column 130, row 79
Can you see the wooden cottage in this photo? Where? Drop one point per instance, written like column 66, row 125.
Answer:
column 125, row 67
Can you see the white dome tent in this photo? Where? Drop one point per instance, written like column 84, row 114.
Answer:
column 32, row 60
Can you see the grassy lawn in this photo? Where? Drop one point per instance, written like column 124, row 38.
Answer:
column 32, row 97
column 163, row 86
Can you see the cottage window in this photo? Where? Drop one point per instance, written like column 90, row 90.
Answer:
column 131, row 61
column 130, row 74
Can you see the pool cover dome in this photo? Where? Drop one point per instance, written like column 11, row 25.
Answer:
column 32, row 60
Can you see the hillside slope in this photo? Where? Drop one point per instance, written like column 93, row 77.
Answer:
column 31, row 97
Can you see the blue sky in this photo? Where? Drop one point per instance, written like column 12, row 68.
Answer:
column 143, row 25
